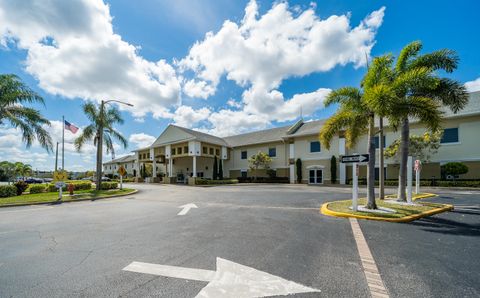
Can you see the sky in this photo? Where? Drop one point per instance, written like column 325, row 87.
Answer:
column 220, row 66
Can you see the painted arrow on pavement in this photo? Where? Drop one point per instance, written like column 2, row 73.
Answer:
column 186, row 208
column 229, row 280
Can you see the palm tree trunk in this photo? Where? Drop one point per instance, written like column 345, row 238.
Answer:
column 402, row 174
column 99, row 161
column 381, row 172
column 371, row 204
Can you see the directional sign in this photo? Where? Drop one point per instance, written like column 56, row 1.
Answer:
column 229, row 280
column 186, row 208
column 60, row 176
column 354, row 158
column 121, row 171
column 60, row 184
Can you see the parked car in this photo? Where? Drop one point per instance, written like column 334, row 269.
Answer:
column 32, row 180
column 47, row 180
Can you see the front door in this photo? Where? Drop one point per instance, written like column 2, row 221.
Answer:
column 315, row 176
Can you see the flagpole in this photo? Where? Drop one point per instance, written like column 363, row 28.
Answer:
column 63, row 143
column 56, row 158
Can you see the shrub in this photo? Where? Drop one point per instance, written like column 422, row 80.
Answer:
column 37, row 188
column 263, row 180
column 201, row 181
column 299, row 170
column 21, row 187
column 455, row 168
column 78, row 185
column 108, row 185
column 333, row 169
column 7, row 191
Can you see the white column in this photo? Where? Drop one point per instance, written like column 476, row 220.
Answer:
column 194, row 166
column 291, row 155
column 137, row 164
column 343, row 167
column 409, row 179
column 170, row 167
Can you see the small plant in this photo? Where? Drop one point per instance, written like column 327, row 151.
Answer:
column 220, row 169
column 7, row 191
column 455, row 169
column 298, row 163
column 333, row 169
column 21, row 187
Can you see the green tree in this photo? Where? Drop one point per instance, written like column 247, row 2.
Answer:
column 215, row 168
column 298, row 164
column 101, row 131
column 333, row 169
column 420, row 147
column 259, row 160
column 8, row 170
column 22, row 169
column 13, row 95
column 220, row 169
column 455, row 168
column 354, row 117
column 420, row 93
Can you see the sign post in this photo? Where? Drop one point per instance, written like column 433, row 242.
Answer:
column 409, row 179
column 121, row 171
column 418, row 167
column 354, row 160
column 59, row 177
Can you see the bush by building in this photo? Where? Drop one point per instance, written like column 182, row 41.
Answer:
column 39, row 188
column 263, row 180
column 108, row 185
column 7, row 191
column 202, row 181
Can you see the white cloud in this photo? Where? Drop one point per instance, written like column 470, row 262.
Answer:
column 141, row 140
column 473, row 85
column 186, row 116
column 73, row 51
column 261, row 51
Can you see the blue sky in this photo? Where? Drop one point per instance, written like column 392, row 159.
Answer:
column 260, row 64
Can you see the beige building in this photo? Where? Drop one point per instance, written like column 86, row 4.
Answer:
column 128, row 162
column 180, row 153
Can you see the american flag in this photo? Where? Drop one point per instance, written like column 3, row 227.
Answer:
column 69, row 126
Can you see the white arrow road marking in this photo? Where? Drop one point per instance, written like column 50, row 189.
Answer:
column 230, row 280
column 186, row 208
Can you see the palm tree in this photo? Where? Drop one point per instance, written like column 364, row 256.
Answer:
column 354, row 117
column 22, row 169
column 13, row 94
column 421, row 92
column 102, row 132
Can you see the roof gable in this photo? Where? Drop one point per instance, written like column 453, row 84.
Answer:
column 172, row 134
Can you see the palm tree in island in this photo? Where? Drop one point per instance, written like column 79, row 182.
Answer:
column 101, row 131
column 353, row 117
column 13, row 95
column 420, row 94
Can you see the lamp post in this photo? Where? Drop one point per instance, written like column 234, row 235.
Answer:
column 100, row 139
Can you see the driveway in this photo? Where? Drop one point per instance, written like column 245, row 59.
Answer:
column 273, row 232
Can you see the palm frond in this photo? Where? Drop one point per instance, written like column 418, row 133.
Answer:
column 444, row 59
column 87, row 135
column 333, row 125
column 349, row 96
column 408, row 52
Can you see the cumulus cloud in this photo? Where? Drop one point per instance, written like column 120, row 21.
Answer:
column 261, row 51
column 141, row 140
column 73, row 52
column 186, row 116
column 473, row 85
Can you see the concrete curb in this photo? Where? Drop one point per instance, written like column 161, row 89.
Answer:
column 72, row 201
column 446, row 207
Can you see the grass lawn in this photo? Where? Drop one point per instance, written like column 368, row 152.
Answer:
column 47, row 197
column 401, row 210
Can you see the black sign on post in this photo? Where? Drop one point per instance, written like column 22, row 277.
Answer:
column 354, row 158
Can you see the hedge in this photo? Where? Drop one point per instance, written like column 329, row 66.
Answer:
column 37, row 188
column 108, row 185
column 429, row 182
column 202, row 181
column 78, row 185
column 7, row 191
column 263, row 180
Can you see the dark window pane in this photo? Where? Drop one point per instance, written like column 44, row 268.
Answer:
column 450, row 135
column 376, row 141
column 244, row 154
column 272, row 152
column 315, row 146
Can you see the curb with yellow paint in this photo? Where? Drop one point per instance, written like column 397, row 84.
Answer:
column 446, row 207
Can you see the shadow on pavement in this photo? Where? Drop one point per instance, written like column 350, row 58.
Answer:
column 447, row 226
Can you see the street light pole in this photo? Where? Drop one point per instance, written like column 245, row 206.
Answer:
column 100, row 140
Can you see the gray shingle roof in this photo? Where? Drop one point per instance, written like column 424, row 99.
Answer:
column 203, row 137
column 310, row 128
column 126, row 158
column 473, row 106
column 258, row 137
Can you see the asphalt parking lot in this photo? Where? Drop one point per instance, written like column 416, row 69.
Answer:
column 269, row 232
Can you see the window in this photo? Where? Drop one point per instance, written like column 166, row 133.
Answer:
column 185, row 149
column 205, row 150
column 217, row 152
column 272, row 152
column 450, row 135
column 376, row 141
column 211, row 151
column 244, row 155
column 173, row 151
column 179, row 150
column 315, row 146
column 148, row 155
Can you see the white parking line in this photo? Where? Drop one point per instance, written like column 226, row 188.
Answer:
column 374, row 280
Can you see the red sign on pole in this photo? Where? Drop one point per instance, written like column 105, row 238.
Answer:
column 418, row 165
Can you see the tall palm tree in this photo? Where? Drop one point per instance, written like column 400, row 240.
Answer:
column 22, row 169
column 101, row 131
column 421, row 92
column 13, row 94
column 354, row 117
